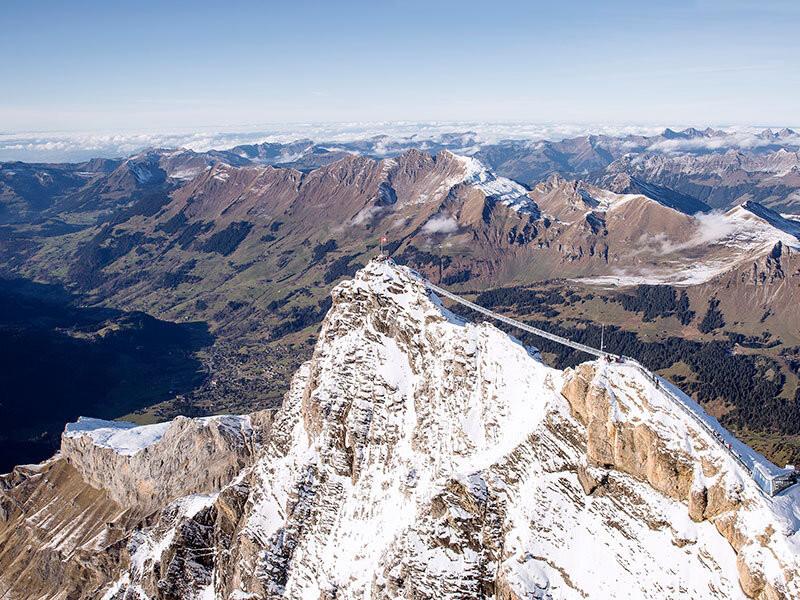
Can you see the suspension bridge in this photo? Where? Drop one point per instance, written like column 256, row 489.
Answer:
column 770, row 478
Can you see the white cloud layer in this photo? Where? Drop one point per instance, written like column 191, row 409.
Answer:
column 734, row 139
column 440, row 224
column 76, row 146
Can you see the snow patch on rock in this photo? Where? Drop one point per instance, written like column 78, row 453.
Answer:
column 123, row 437
column 504, row 190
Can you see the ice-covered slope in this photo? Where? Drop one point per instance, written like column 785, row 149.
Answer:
column 418, row 456
column 758, row 224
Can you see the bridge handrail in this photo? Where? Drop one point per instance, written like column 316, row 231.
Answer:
column 691, row 413
column 514, row 323
column 602, row 354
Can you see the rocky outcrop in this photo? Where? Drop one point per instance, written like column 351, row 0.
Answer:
column 60, row 537
column 631, row 447
column 188, row 456
column 630, row 428
column 69, row 526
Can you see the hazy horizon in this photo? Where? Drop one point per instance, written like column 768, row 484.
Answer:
column 79, row 146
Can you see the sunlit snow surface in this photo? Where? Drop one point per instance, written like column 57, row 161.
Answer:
column 124, row 437
column 744, row 233
column 128, row 438
column 504, row 190
column 493, row 432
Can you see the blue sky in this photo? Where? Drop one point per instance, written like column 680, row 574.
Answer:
column 157, row 66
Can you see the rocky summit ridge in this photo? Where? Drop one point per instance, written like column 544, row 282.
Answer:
column 416, row 455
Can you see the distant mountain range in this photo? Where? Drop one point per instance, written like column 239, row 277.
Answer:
column 250, row 241
column 711, row 166
column 234, row 237
column 186, row 232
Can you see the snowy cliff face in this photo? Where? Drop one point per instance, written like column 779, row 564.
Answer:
column 145, row 467
column 69, row 526
column 418, row 456
column 633, row 427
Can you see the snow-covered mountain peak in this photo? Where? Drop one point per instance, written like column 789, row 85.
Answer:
column 441, row 458
column 753, row 227
column 418, row 455
column 502, row 189
column 390, row 306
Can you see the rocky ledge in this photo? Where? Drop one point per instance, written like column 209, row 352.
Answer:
column 633, row 427
column 146, row 467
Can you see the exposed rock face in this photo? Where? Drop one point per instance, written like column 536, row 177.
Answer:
column 419, row 456
column 630, row 427
column 59, row 537
column 493, row 228
column 67, row 526
column 189, row 456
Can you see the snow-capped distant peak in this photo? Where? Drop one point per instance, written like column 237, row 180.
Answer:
column 505, row 190
column 751, row 227
column 772, row 218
